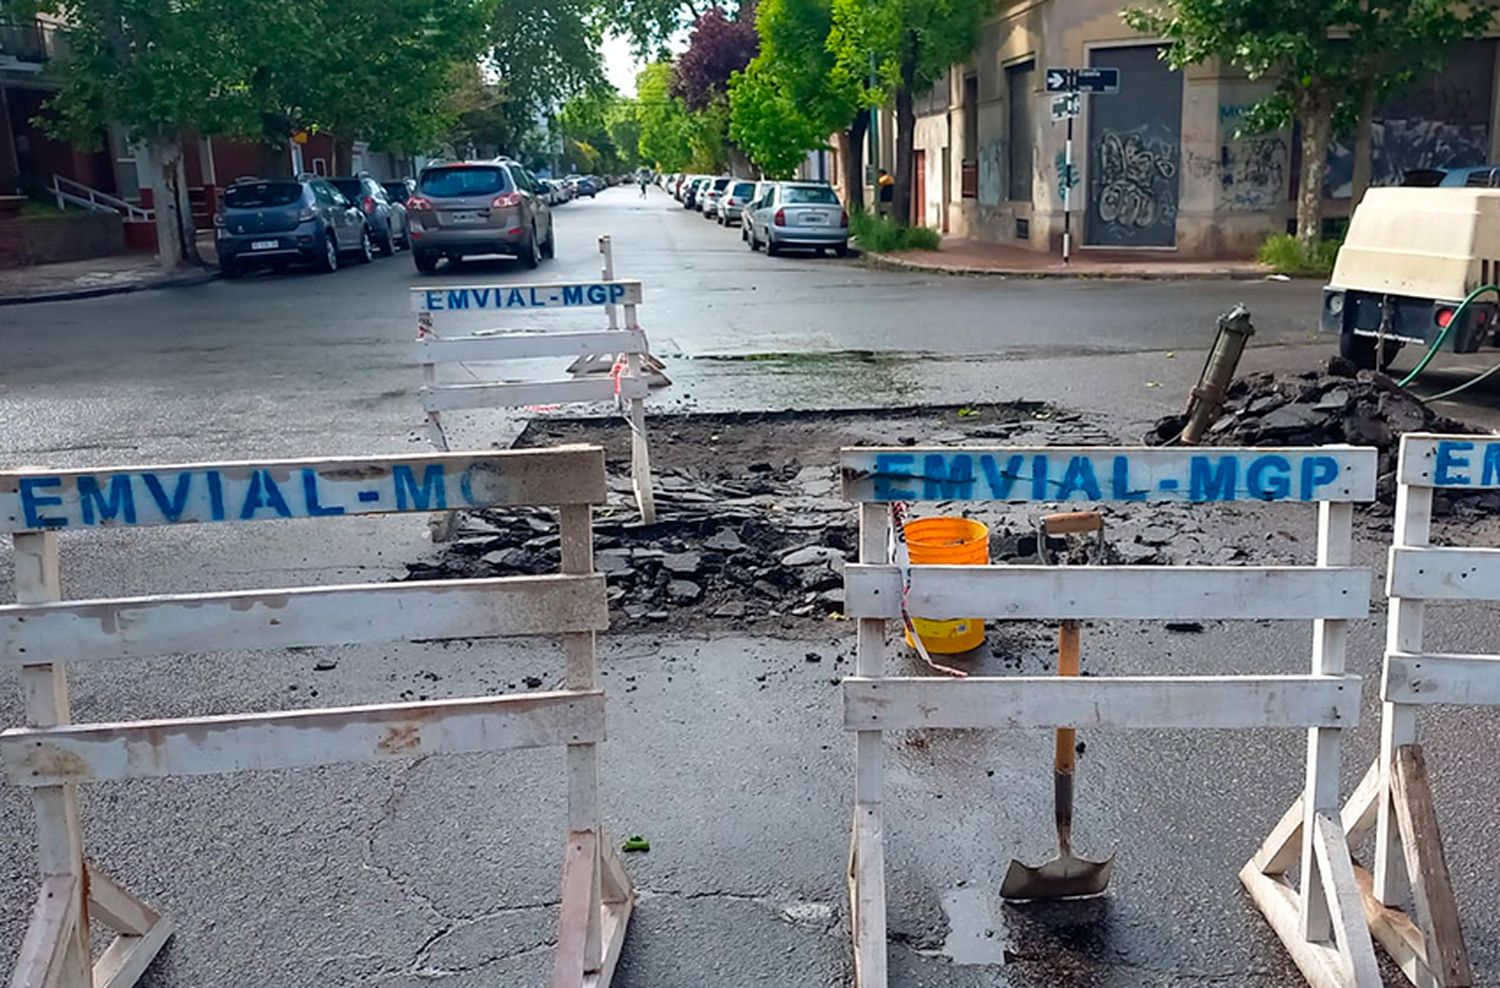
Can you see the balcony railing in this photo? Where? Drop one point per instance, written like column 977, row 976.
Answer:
column 28, row 42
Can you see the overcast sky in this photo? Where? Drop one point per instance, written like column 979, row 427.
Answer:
column 620, row 65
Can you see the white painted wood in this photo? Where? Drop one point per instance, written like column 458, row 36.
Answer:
column 1341, row 892
column 514, row 394
column 1321, row 964
column 1465, row 680
column 867, row 898
column 577, row 913
column 125, row 960
column 1111, row 473
column 299, row 739
column 1444, row 574
column 1162, row 593
column 116, row 908
column 313, row 488
column 460, row 300
column 43, row 956
column 1462, row 462
column 1016, row 702
column 526, row 345
column 135, row 627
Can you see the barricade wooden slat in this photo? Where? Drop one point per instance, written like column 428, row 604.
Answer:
column 51, row 756
column 300, row 617
column 455, row 397
column 1016, row 702
column 1410, row 863
column 522, row 346
column 1166, row 593
column 1319, row 917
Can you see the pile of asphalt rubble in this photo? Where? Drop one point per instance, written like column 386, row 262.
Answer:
column 1337, row 405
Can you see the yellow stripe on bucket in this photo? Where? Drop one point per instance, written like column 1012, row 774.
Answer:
column 951, row 542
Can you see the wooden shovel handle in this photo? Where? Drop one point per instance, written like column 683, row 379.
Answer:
column 1072, row 522
column 1067, row 665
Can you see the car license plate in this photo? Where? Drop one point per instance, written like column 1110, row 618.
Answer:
column 465, row 217
column 812, row 219
column 264, row 244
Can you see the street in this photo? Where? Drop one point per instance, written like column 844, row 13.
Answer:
column 725, row 747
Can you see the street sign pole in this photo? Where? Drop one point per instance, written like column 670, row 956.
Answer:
column 1068, row 192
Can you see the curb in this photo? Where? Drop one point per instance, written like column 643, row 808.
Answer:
column 891, row 262
column 188, row 280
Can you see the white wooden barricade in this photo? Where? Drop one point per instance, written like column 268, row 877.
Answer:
column 1395, row 796
column 604, row 363
column 626, row 385
column 41, row 632
column 1322, row 921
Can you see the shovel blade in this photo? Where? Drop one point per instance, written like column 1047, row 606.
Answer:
column 1064, row 877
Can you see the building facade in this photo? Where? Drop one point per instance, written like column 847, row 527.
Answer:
column 1158, row 165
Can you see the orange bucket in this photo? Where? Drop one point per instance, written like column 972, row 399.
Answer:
column 951, row 542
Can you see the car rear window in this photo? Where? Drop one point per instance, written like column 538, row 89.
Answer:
column 350, row 187
column 720, row 183
column 261, row 195
column 803, row 193
column 397, row 191
column 743, row 190
column 467, row 181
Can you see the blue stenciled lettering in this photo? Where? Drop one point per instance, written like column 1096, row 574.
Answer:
column 950, row 482
column 1317, row 471
column 310, row 495
column 616, row 292
column 1269, row 478
column 96, row 508
column 1119, row 481
column 1491, row 473
column 596, row 294
column 1039, row 477
column 1211, row 481
column 434, row 300
column 431, row 495
column 31, row 501
column 1448, row 460
column 481, row 297
column 572, row 295
column 263, row 492
column 889, row 467
column 458, row 298
column 215, row 495
column 535, row 298
column 1079, row 477
column 1001, row 480
column 170, row 507
column 516, row 297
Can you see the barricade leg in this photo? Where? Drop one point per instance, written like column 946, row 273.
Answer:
column 867, row 910
column 1320, row 921
column 56, row 949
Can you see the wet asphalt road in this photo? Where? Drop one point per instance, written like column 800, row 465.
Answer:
column 725, row 752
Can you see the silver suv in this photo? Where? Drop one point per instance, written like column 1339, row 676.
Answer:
column 479, row 207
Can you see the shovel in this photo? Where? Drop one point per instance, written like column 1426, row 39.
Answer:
column 1066, row 876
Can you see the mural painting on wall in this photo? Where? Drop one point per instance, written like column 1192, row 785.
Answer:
column 991, row 173
column 1442, row 121
column 1135, row 180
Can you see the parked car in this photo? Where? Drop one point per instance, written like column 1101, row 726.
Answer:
column 732, row 203
column 690, row 194
column 388, row 224
column 400, row 190
column 277, row 222
column 487, row 207
column 708, row 203
column 747, row 217
column 588, row 185
column 1471, row 177
column 801, row 215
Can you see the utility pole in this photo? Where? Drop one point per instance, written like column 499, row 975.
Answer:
column 1068, row 192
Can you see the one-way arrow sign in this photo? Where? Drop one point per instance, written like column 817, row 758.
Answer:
column 1060, row 80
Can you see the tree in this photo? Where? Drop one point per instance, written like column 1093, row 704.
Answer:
column 1329, row 62
column 717, row 48
column 545, row 53
column 765, row 122
column 914, row 43
column 666, row 130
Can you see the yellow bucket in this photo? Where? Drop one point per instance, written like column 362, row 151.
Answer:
column 952, row 542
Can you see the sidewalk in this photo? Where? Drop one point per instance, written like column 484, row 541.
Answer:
column 111, row 275
column 961, row 256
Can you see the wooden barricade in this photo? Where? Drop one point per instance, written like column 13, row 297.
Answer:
column 1322, row 920
column 1395, row 796
column 604, row 363
column 625, row 385
column 41, row 632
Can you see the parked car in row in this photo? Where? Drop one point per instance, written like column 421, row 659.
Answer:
column 279, row 222
column 732, row 203
column 387, row 220
column 708, row 200
column 798, row 215
column 464, row 209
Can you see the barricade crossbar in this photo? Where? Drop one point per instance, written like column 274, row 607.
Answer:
column 41, row 632
column 1318, row 918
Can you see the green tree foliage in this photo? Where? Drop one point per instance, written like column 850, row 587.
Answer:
column 545, row 53
column 915, row 43
column 607, row 124
column 666, row 129
column 1329, row 62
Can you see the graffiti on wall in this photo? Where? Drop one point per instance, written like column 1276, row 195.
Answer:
column 1252, row 173
column 1136, row 179
column 991, row 173
column 1399, row 145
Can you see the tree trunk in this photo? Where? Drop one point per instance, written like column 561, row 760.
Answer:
column 851, row 153
column 1363, row 145
column 1316, row 117
column 906, row 121
column 176, row 235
